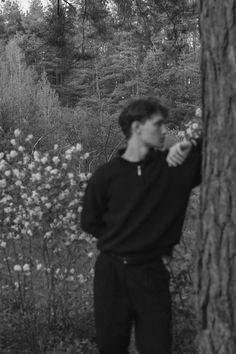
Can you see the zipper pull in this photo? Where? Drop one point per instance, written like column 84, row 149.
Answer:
column 139, row 170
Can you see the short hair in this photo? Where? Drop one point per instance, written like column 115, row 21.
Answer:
column 140, row 109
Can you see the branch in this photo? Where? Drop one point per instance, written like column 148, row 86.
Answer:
column 115, row 148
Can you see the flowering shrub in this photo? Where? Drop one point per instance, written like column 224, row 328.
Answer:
column 192, row 129
column 40, row 237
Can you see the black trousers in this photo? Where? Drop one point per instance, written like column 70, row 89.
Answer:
column 128, row 293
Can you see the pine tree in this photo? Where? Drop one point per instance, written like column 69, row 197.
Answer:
column 12, row 18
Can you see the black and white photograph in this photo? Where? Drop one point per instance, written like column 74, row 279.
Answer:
column 117, row 176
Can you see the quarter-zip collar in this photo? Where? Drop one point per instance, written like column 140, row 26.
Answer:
column 148, row 157
column 139, row 164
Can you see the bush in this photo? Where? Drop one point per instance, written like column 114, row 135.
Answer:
column 46, row 259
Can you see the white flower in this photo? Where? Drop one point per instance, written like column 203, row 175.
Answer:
column 68, row 215
column 73, row 237
column 1, row 155
column 36, row 156
column 29, row 232
column 16, row 284
column 21, row 148
column 44, row 198
column 72, row 271
column 68, row 151
column 189, row 131
column 13, row 153
column 36, row 177
column 7, row 173
column 85, row 156
column 78, row 147
column 39, row 266
column 3, row 183
column 56, row 160
column 181, row 134
column 26, row 267
column 29, row 137
column 18, row 183
column 31, row 165
column 61, row 196
column 44, row 159
column 198, row 112
column 26, row 159
column 3, row 244
column 17, row 132
column 81, row 278
column 80, row 209
column 48, row 234
column 71, row 175
column 55, row 146
column 16, row 172
column 64, row 165
column 7, row 210
column 13, row 142
column 82, row 177
column 17, row 268
column 54, row 171
column 90, row 254
column 17, row 220
column 2, row 165
column 48, row 168
column 89, row 175
column 35, row 195
column 66, row 191
column 194, row 126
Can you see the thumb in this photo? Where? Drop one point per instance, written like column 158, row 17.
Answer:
column 185, row 145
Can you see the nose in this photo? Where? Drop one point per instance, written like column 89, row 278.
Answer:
column 164, row 129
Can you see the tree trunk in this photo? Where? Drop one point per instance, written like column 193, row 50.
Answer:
column 216, row 276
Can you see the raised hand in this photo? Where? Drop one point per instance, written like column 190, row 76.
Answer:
column 178, row 153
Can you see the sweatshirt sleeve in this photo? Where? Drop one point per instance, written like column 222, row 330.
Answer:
column 196, row 154
column 197, row 145
column 94, row 206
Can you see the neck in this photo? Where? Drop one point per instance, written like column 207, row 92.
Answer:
column 135, row 151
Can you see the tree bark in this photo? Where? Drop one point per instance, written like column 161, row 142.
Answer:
column 216, row 264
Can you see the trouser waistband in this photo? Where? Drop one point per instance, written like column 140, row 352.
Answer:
column 134, row 260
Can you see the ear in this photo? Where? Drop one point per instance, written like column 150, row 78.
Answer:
column 135, row 127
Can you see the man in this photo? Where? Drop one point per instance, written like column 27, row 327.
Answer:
column 135, row 206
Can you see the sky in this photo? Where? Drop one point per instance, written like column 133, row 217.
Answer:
column 24, row 4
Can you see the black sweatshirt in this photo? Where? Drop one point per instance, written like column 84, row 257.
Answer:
column 139, row 208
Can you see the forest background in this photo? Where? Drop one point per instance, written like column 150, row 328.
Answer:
column 66, row 71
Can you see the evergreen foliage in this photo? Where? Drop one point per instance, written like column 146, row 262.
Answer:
column 98, row 54
column 65, row 73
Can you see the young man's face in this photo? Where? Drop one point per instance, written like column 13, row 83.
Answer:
column 152, row 132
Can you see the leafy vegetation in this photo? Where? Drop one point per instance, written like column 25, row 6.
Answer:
column 65, row 73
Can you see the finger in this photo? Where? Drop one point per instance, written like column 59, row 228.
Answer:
column 174, row 161
column 177, row 151
column 175, row 158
